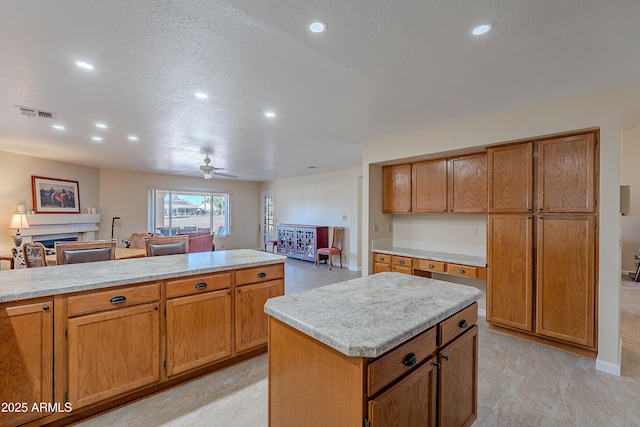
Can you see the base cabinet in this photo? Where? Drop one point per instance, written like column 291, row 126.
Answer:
column 26, row 361
column 252, row 324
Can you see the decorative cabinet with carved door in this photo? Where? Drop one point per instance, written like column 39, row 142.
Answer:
column 302, row 241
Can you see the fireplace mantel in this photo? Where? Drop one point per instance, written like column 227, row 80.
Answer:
column 58, row 226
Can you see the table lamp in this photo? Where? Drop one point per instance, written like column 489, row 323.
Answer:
column 18, row 221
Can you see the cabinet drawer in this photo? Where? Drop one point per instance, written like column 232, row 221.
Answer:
column 458, row 323
column 401, row 269
column 428, row 265
column 462, row 270
column 259, row 274
column 382, row 258
column 380, row 267
column 390, row 366
column 401, row 261
column 198, row 284
column 113, row 298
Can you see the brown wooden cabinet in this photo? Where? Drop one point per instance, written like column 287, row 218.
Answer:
column 113, row 352
column 381, row 263
column 26, row 361
column 510, row 271
column 429, row 186
column 510, row 173
column 468, row 184
column 401, row 264
column 565, row 278
column 396, row 189
column 553, row 300
column 567, row 174
column 254, row 286
column 198, row 324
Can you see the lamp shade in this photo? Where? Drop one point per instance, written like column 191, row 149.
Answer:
column 18, row 220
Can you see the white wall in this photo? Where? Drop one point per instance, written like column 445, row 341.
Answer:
column 322, row 199
column 630, row 175
column 125, row 193
column 15, row 175
column 608, row 110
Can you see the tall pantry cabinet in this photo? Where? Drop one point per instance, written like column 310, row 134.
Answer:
column 541, row 245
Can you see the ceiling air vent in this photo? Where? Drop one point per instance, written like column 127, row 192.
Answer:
column 32, row 112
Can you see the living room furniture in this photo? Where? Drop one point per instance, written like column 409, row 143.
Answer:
column 335, row 249
column 34, row 255
column 199, row 241
column 18, row 221
column 301, row 241
column 273, row 243
column 81, row 252
column 172, row 245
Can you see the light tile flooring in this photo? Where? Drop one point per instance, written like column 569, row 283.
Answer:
column 520, row 383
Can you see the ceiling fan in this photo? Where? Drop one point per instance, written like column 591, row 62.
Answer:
column 209, row 171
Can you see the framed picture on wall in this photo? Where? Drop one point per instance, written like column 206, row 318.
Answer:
column 52, row 195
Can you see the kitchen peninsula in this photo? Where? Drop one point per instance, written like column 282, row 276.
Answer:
column 367, row 352
column 84, row 338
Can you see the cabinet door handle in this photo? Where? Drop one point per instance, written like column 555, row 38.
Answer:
column 118, row 300
column 228, row 292
column 45, row 308
column 155, row 308
column 261, row 275
column 437, row 365
column 463, row 324
column 445, row 357
column 238, row 290
column 431, row 266
column 410, row 359
column 461, row 271
column 201, row 285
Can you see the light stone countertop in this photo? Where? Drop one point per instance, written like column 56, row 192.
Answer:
column 369, row 316
column 472, row 260
column 28, row 283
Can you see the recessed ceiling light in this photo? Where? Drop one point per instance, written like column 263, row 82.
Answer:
column 84, row 65
column 481, row 29
column 96, row 138
column 317, row 27
column 101, row 125
column 59, row 127
column 270, row 114
column 201, row 95
column 133, row 138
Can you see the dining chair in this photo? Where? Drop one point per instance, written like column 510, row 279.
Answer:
column 171, row 245
column 335, row 249
column 34, row 255
column 81, row 252
column 137, row 240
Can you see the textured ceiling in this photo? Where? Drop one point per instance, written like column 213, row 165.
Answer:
column 380, row 70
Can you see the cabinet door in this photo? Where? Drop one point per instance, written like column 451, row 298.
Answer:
column 198, row 330
column 566, row 174
column 430, row 186
column 26, row 360
column 566, row 278
column 510, row 272
column 411, row 402
column 113, row 352
column 511, row 178
column 396, row 189
column 458, row 382
column 252, row 323
column 468, row 183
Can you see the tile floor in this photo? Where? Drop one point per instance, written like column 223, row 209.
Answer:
column 520, row 383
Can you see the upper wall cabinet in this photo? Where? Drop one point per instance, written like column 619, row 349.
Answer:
column 566, row 174
column 396, row 189
column 468, row 183
column 511, row 178
column 430, row 186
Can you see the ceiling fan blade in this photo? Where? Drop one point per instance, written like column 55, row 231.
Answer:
column 226, row 175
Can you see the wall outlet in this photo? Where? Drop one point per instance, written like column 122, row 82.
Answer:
column 375, row 228
column 474, row 232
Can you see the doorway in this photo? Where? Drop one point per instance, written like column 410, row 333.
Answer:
column 268, row 223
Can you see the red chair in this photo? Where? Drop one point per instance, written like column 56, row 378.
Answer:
column 199, row 241
column 335, row 249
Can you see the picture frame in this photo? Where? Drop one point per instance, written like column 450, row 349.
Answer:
column 53, row 195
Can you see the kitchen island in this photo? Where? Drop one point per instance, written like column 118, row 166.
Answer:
column 84, row 338
column 383, row 350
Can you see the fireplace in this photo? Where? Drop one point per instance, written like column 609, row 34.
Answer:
column 59, row 227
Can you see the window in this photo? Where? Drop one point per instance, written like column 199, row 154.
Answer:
column 180, row 211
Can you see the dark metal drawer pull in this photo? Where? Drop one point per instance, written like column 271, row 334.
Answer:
column 463, row 324
column 261, row 275
column 118, row 300
column 432, row 266
column 45, row 308
column 401, row 262
column 461, row 271
column 201, row 285
column 410, row 359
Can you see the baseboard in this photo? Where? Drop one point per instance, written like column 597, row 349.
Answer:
column 482, row 312
column 352, row 268
column 610, row 368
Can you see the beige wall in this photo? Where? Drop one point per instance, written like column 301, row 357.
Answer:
column 630, row 175
column 608, row 110
column 125, row 194
column 15, row 176
column 322, row 199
